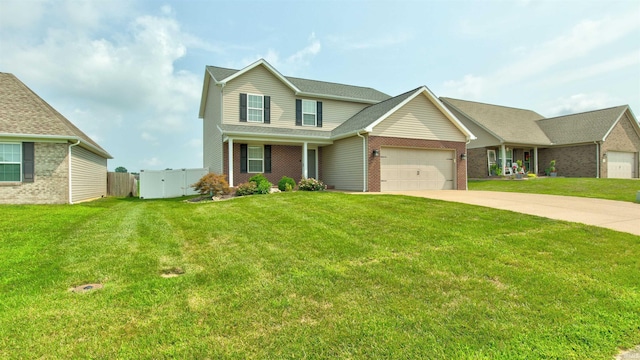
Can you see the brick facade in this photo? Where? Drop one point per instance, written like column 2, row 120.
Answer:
column 571, row 161
column 51, row 180
column 624, row 138
column 286, row 160
column 375, row 142
column 478, row 163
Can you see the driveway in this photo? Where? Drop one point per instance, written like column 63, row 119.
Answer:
column 615, row 215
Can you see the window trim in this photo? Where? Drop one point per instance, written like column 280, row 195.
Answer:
column 13, row 162
column 249, row 159
column 315, row 112
column 261, row 108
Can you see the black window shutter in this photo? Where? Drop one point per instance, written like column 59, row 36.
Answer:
column 243, row 158
column 267, row 159
column 319, row 114
column 28, row 162
column 298, row 112
column 267, row 109
column 243, row 107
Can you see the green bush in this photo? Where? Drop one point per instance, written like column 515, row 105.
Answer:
column 263, row 186
column 248, row 188
column 212, row 184
column 311, row 184
column 282, row 184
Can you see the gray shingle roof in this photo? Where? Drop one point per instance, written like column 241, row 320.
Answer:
column 320, row 88
column 582, row 127
column 23, row 112
column 511, row 124
column 370, row 114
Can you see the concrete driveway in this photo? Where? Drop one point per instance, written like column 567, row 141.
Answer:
column 615, row 215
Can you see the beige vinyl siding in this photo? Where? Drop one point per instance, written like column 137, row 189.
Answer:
column 88, row 175
column 261, row 81
column 419, row 119
column 212, row 139
column 342, row 164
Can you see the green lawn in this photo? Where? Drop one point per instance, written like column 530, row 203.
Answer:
column 312, row 275
column 611, row 189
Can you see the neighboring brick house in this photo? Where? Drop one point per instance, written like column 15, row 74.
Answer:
column 601, row 143
column 350, row 137
column 44, row 158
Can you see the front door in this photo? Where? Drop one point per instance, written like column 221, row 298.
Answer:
column 311, row 163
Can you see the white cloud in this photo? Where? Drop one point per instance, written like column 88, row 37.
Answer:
column 377, row 41
column 608, row 66
column 148, row 137
column 580, row 103
column 470, row 87
column 154, row 162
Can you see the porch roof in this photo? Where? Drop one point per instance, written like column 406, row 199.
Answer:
column 276, row 133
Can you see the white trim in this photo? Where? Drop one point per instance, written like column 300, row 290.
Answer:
column 230, row 158
column 85, row 144
column 268, row 66
column 336, row 97
column 364, row 162
column 71, row 173
column 305, row 172
column 501, row 140
column 614, row 124
column 425, row 90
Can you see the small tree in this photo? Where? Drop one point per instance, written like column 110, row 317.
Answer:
column 121, row 169
column 212, row 184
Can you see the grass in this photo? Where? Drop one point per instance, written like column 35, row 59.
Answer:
column 312, row 275
column 610, row 189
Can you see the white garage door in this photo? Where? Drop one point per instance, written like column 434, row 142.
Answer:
column 621, row 165
column 416, row 169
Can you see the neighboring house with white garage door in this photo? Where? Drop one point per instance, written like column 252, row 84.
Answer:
column 44, row 158
column 600, row 143
column 257, row 120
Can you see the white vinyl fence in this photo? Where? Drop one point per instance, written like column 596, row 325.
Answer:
column 160, row 184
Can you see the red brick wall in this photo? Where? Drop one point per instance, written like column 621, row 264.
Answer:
column 286, row 160
column 375, row 142
column 571, row 161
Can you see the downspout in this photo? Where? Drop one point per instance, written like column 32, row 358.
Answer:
column 71, row 182
column 597, row 159
column 364, row 161
column 466, row 168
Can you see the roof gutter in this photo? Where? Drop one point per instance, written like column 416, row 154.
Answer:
column 58, row 137
column 70, row 180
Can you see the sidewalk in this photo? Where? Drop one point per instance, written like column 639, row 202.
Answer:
column 615, row 215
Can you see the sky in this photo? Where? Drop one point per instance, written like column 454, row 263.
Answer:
column 130, row 73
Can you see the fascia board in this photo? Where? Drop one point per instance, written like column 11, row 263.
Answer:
column 435, row 101
column 205, row 93
column 633, row 118
column 388, row 113
column 236, row 135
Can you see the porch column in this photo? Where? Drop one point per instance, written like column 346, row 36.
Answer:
column 305, row 172
column 503, row 156
column 535, row 159
column 230, row 142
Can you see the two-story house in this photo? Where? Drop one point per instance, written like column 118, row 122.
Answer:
column 352, row 138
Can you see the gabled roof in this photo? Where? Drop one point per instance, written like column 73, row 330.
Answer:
column 301, row 87
column 509, row 125
column 583, row 127
column 23, row 114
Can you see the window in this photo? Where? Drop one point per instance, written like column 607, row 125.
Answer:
column 10, row 162
column 309, row 108
column 255, row 159
column 255, row 108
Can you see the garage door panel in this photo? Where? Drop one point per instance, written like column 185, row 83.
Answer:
column 416, row 169
column 621, row 165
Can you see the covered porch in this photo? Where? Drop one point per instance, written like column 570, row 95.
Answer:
column 500, row 159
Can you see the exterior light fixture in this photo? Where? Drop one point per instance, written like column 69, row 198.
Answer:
column 376, row 152
column 463, row 156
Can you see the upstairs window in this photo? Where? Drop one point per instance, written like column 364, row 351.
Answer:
column 254, row 108
column 10, row 162
column 309, row 113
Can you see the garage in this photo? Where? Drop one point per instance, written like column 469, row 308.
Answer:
column 621, row 165
column 416, row 169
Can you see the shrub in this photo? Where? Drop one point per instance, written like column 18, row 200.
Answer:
column 212, row 184
column 263, row 186
column 248, row 188
column 282, row 184
column 311, row 184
